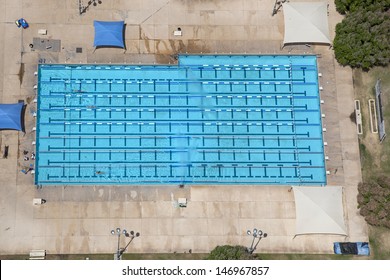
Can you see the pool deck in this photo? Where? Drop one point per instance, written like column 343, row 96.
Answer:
column 78, row 219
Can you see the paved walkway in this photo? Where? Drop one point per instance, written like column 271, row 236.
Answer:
column 78, row 219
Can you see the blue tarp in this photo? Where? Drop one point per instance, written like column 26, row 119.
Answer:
column 351, row 248
column 108, row 34
column 11, row 116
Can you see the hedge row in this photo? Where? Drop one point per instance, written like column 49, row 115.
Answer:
column 363, row 37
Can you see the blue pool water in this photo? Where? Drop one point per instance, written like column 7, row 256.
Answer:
column 212, row 119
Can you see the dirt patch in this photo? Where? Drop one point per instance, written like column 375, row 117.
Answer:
column 29, row 99
column 167, row 51
column 352, row 117
column 375, row 159
column 165, row 59
column 21, row 73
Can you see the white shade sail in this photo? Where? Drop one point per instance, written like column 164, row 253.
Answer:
column 319, row 210
column 306, row 22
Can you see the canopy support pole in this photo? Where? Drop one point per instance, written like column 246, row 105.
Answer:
column 277, row 6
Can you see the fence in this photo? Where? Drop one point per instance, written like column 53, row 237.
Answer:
column 381, row 121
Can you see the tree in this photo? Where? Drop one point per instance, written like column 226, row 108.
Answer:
column 362, row 38
column 228, row 252
column 345, row 6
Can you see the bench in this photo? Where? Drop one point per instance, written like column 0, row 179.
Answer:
column 37, row 254
column 42, row 31
column 358, row 116
column 373, row 116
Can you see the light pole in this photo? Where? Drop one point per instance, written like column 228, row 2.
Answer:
column 83, row 9
column 132, row 235
column 256, row 234
column 278, row 4
column 118, row 232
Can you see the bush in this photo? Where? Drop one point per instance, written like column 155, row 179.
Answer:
column 345, row 6
column 374, row 201
column 228, row 252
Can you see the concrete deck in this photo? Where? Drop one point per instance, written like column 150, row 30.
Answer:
column 78, row 219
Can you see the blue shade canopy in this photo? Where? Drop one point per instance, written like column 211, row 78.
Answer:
column 108, row 33
column 11, row 116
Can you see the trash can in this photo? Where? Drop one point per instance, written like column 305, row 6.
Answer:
column 182, row 202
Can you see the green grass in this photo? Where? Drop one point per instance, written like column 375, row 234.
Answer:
column 379, row 243
column 375, row 156
column 164, row 256
column 307, row 257
column 385, row 151
column 366, row 158
column 111, row 257
column 186, row 257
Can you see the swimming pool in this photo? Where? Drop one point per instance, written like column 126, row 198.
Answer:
column 211, row 119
